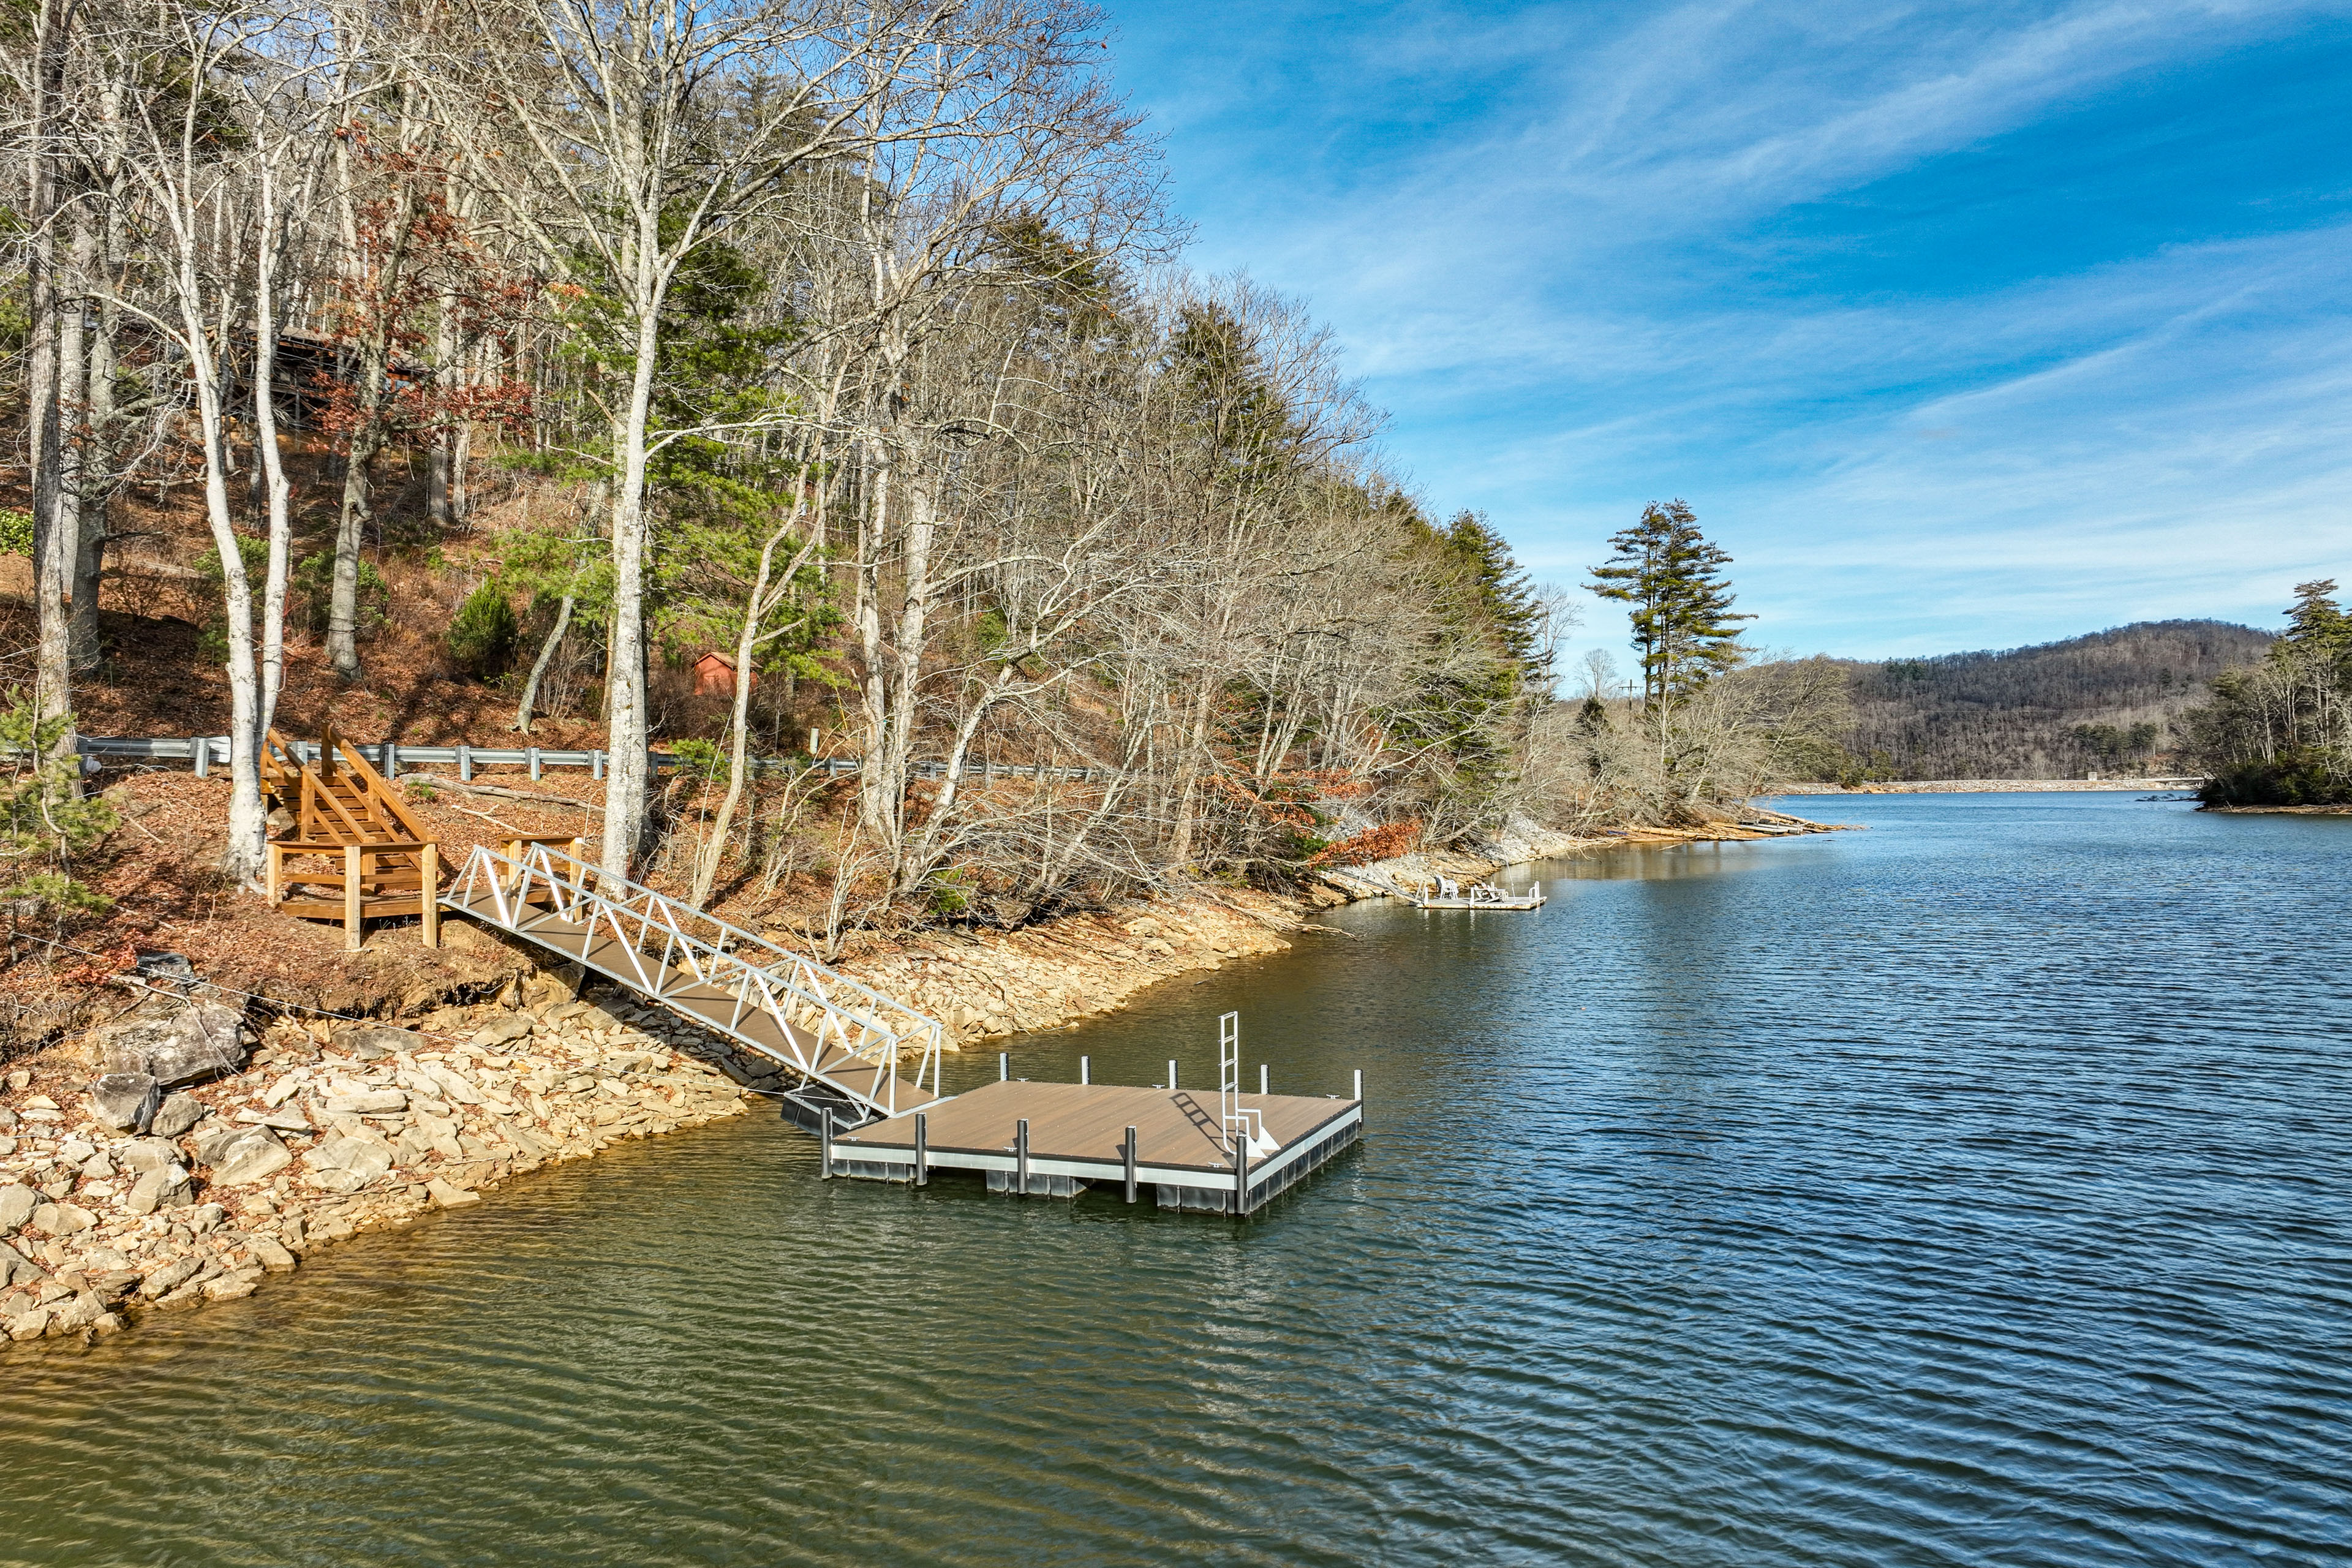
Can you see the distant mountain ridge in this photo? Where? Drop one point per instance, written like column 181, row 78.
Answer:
column 2023, row 712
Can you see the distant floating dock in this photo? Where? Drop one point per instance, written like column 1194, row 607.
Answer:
column 1448, row 895
column 1217, row 1151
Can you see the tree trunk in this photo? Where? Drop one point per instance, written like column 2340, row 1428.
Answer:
column 627, row 772
column 367, row 436
column 538, row 667
column 53, row 451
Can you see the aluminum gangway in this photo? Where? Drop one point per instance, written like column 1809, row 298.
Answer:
column 842, row 1041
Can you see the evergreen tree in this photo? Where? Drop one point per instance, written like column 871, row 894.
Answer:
column 1684, row 625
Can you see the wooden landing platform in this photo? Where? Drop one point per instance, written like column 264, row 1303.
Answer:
column 1077, row 1135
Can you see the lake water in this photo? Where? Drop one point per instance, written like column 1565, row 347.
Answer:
column 1970, row 1190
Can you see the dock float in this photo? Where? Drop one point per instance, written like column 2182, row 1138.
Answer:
column 1218, row 1151
column 1447, row 895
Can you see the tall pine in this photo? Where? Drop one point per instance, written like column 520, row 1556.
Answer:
column 1684, row 625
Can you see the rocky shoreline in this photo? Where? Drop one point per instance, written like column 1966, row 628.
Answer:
column 329, row 1130
column 118, row 1199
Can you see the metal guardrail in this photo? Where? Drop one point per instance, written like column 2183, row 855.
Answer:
column 664, row 949
column 389, row 756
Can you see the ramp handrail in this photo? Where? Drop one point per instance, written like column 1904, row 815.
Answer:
column 664, row 939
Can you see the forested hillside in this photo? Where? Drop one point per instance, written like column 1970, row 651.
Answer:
column 2102, row 703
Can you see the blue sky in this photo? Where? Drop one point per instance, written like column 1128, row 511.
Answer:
column 1959, row 326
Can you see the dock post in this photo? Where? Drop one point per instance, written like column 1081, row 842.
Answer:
column 1358, row 1095
column 429, row 910
column 1171, row 1072
column 824, row 1144
column 1240, row 1171
column 922, row 1149
column 1004, row 1066
column 1020, row 1156
column 1261, row 1078
column 351, row 898
column 1128, row 1153
column 1082, row 1072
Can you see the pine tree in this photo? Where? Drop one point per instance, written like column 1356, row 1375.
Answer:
column 1682, row 621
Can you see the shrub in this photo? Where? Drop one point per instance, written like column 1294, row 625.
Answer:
column 312, row 582
column 16, row 531
column 482, row 638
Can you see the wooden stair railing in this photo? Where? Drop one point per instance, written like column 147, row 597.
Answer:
column 381, row 860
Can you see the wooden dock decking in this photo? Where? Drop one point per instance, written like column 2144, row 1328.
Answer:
column 1079, row 1134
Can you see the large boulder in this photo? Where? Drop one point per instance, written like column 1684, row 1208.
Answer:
column 16, row 1205
column 127, row 1100
column 146, row 1154
column 201, row 1041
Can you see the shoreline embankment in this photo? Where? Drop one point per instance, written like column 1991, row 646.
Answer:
column 314, row 1130
column 1991, row 786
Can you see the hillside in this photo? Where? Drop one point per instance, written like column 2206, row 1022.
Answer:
column 2018, row 713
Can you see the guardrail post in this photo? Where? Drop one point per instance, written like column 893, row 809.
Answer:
column 922, row 1150
column 534, row 764
column 201, row 748
column 465, row 764
column 1020, row 1156
column 1129, row 1152
column 595, row 764
column 390, row 760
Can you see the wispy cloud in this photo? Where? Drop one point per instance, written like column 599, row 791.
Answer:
column 1556, row 240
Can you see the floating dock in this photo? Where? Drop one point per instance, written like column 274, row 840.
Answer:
column 1477, row 896
column 1055, row 1140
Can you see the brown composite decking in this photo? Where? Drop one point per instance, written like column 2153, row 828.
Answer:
column 714, row 1006
column 1173, row 1128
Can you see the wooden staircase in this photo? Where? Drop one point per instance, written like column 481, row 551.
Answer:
column 377, row 858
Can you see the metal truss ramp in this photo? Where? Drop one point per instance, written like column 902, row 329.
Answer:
column 843, row 1043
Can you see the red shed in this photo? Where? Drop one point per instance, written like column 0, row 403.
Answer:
column 715, row 673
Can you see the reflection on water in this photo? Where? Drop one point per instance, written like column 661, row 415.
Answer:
column 1967, row 1190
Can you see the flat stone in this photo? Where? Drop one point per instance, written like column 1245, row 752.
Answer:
column 271, row 1256
column 74, row 1150
column 16, row 1205
column 126, row 1099
column 499, row 1031
column 113, row 1285
column 62, row 1220
column 157, row 1189
column 227, row 1288
column 283, row 1120
column 207, row 1219
column 29, row 1325
column 448, row 1196
column 252, row 1154
column 171, row 1276
column 373, row 1042
column 177, row 1114
column 146, row 1154
column 368, row 1103
column 363, row 1158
